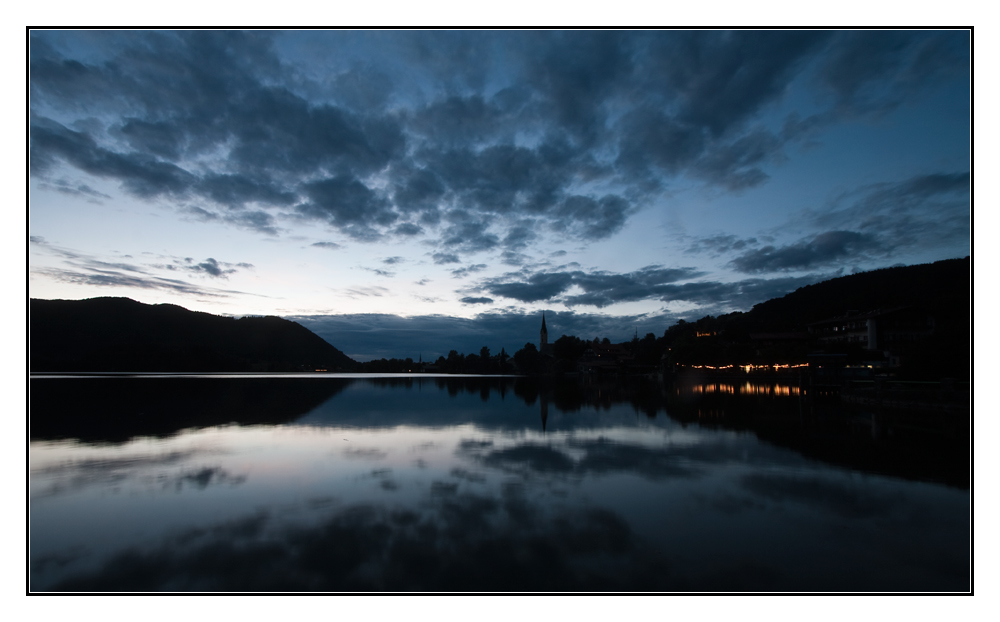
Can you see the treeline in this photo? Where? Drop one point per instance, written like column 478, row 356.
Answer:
column 455, row 363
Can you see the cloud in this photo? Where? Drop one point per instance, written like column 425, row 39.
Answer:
column 392, row 261
column 75, row 189
column 347, row 202
column 140, row 174
column 445, row 258
column 467, row 270
column 924, row 210
column 737, row 294
column 362, row 88
column 210, row 267
column 873, row 72
column 519, row 236
column 729, row 75
column 85, row 269
column 818, row 250
column 481, row 141
column 111, row 278
column 538, row 286
column 600, row 288
column 365, row 292
column 456, row 120
column 236, row 191
column 327, row 245
column 467, row 234
column 380, row 272
column 511, row 258
column 258, row 221
column 575, row 73
column 408, row 229
column 469, row 300
column 719, row 244
column 592, row 219
column 870, row 222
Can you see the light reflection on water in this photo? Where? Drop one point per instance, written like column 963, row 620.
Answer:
column 746, row 388
column 472, row 484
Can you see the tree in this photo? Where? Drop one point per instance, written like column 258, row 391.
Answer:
column 455, row 362
column 527, row 359
column 568, row 347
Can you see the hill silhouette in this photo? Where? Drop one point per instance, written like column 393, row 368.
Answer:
column 120, row 334
column 777, row 331
column 942, row 287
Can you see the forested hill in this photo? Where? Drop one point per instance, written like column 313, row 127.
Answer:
column 120, row 334
column 942, row 287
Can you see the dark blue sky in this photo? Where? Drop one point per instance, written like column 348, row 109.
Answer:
column 447, row 186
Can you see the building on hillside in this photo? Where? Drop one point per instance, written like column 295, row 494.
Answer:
column 894, row 334
column 876, row 330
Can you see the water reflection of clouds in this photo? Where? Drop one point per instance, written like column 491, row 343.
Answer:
column 481, row 499
column 455, row 541
column 365, row 453
column 60, row 559
column 203, row 478
column 384, row 477
column 136, row 470
column 845, row 499
column 497, row 516
column 468, row 476
column 578, row 456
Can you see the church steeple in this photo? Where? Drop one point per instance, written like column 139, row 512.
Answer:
column 544, row 334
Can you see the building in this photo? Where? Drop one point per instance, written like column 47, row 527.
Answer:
column 544, row 346
column 875, row 330
column 888, row 336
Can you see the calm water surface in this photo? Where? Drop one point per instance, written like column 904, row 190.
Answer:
column 482, row 484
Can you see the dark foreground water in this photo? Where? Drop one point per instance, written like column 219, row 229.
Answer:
column 485, row 484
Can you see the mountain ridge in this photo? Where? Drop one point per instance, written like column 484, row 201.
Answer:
column 121, row 334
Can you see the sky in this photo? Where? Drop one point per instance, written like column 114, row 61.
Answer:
column 405, row 193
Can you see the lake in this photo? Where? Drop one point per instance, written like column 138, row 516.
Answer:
column 453, row 484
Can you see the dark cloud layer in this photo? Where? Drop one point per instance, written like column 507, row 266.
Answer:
column 923, row 211
column 482, row 141
column 819, row 250
column 602, row 289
